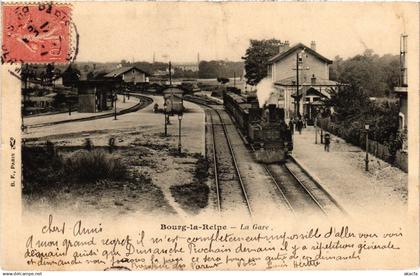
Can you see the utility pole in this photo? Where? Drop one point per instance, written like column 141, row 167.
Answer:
column 297, row 84
column 299, row 61
column 234, row 79
column 170, row 74
column 179, row 132
column 115, row 106
column 166, row 119
column 367, row 148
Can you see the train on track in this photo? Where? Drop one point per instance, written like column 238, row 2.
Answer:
column 264, row 128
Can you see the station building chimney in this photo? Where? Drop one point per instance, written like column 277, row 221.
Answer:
column 313, row 45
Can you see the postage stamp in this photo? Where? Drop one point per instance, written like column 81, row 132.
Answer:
column 36, row 33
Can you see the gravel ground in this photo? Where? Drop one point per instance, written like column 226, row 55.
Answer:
column 341, row 171
column 158, row 172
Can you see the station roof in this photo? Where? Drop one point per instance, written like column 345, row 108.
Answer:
column 118, row 72
column 291, row 81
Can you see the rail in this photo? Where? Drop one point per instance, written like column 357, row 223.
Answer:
column 232, row 153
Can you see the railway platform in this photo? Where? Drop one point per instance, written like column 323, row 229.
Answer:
column 44, row 119
column 342, row 173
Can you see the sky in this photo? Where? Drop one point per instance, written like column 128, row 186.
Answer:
column 177, row 31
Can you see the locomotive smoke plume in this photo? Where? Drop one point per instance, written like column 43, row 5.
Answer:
column 264, row 89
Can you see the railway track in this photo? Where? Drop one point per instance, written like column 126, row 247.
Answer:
column 145, row 101
column 321, row 197
column 228, row 186
column 300, row 193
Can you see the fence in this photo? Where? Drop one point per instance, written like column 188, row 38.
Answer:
column 375, row 148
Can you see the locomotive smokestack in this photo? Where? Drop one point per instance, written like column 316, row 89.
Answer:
column 271, row 113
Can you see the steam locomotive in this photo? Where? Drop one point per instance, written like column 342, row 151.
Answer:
column 264, row 128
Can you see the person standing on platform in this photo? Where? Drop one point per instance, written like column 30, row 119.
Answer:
column 327, row 140
column 291, row 126
column 299, row 125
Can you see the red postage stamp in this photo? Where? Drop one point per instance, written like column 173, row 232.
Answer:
column 36, row 33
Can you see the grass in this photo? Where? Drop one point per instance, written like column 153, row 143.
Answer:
column 90, row 166
column 194, row 196
column 45, row 170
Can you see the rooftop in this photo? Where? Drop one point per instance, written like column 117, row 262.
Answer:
column 119, row 71
column 292, row 49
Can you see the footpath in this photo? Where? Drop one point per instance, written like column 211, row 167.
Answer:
column 341, row 171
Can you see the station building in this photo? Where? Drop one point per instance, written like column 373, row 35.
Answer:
column 95, row 93
column 312, row 68
column 97, row 89
column 128, row 74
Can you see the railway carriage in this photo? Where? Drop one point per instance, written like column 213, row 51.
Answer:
column 264, row 128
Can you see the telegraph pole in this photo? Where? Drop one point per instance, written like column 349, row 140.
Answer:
column 367, row 148
column 297, row 85
column 115, row 106
column 170, row 74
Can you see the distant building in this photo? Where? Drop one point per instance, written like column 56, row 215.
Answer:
column 314, row 83
column 187, row 66
column 129, row 74
column 160, row 73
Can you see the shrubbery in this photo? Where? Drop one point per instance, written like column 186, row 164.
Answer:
column 353, row 110
column 88, row 166
column 44, row 169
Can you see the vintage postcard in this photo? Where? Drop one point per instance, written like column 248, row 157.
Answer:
column 209, row 136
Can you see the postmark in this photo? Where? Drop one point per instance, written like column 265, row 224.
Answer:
column 39, row 33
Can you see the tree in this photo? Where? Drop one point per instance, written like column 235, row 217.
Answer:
column 256, row 58
column 335, row 68
column 71, row 76
column 376, row 75
column 49, row 74
column 207, row 69
column 349, row 103
column 353, row 110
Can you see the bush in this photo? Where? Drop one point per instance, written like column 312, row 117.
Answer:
column 42, row 169
column 88, row 166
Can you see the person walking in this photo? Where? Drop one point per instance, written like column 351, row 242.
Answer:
column 327, row 141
